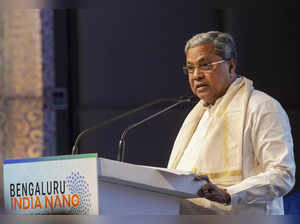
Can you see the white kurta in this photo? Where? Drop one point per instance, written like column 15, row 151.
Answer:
column 268, row 167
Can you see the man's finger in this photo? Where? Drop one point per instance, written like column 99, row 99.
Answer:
column 206, row 189
column 200, row 194
column 202, row 177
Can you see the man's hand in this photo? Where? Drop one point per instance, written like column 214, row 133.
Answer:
column 213, row 193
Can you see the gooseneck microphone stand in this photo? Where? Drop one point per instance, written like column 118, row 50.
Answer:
column 121, row 148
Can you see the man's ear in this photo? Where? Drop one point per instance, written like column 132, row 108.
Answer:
column 232, row 66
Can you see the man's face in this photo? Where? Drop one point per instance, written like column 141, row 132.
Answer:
column 209, row 85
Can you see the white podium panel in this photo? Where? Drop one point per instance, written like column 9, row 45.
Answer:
column 119, row 199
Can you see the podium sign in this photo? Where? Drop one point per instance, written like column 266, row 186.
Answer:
column 52, row 185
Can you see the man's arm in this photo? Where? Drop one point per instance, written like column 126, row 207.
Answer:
column 273, row 149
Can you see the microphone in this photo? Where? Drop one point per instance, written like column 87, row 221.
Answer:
column 121, row 148
column 75, row 149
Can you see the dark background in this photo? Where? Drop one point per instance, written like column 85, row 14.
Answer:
column 122, row 55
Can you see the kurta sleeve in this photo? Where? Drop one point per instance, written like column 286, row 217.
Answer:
column 273, row 149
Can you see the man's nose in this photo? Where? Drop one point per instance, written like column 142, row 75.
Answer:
column 197, row 73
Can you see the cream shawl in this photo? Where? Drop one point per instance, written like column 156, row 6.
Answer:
column 220, row 156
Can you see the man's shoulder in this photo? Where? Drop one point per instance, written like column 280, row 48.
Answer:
column 261, row 101
column 258, row 97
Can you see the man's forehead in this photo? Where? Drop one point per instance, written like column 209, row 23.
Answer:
column 200, row 52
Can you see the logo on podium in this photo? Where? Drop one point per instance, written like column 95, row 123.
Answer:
column 52, row 185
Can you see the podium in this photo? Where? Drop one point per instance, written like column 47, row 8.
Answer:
column 127, row 189
column 87, row 185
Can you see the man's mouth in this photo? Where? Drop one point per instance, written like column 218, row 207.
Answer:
column 201, row 86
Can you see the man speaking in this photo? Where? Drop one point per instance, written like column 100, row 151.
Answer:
column 237, row 138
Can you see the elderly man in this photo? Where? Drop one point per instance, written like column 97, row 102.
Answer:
column 236, row 138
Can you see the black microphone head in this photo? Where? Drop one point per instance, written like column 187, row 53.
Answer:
column 191, row 98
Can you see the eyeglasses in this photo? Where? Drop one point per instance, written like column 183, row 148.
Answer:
column 188, row 70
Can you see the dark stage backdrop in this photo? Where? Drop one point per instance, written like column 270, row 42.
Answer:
column 127, row 54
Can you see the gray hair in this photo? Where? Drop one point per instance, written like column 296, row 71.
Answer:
column 224, row 43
